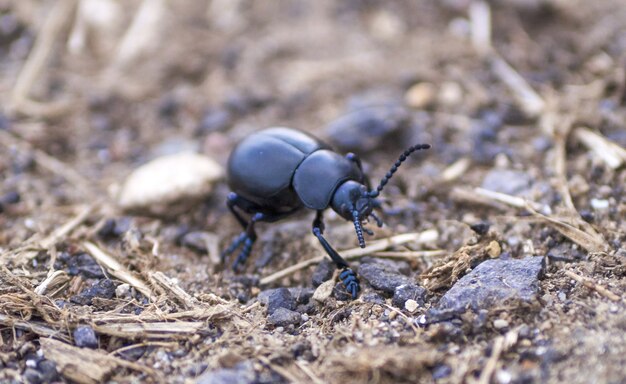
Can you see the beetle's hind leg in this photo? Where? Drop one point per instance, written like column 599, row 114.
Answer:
column 347, row 275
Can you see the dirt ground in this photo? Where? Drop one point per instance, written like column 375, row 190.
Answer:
column 524, row 98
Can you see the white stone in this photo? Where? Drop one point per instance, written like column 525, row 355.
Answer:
column 411, row 305
column 181, row 177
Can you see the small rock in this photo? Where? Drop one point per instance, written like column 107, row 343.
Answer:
column 180, row 178
column 411, row 305
column 283, row 317
column 382, row 278
column 198, row 241
column 323, row 272
column 115, row 227
column 215, row 120
column 408, row 292
column 500, row 323
column 85, row 265
column 32, row 376
column 277, row 298
column 372, row 298
column 493, row 249
column 397, row 266
column 599, row 204
column 493, row 283
column 506, row 181
column 363, row 129
column 122, row 290
column 301, row 295
column 441, row 371
column 85, row 337
column 323, row 291
column 480, row 228
column 242, row 373
column 8, row 198
column 420, row 95
column 48, row 370
column 104, row 288
column 450, row 94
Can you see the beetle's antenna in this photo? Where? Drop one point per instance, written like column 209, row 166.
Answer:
column 395, row 166
column 358, row 228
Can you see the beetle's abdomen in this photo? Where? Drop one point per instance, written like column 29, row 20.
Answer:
column 261, row 167
column 319, row 175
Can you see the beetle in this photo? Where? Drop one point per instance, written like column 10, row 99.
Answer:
column 276, row 172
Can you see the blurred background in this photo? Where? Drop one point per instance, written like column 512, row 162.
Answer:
column 522, row 98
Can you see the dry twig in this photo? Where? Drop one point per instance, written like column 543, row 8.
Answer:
column 118, row 270
column 592, row 285
column 354, row 253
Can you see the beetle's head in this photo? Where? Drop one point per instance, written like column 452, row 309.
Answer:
column 353, row 202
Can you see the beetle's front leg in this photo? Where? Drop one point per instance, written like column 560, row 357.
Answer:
column 347, row 275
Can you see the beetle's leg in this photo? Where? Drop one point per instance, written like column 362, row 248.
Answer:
column 248, row 237
column 347, row 276
column 233, row 200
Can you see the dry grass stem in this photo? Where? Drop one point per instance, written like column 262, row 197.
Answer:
column 590, row 242
column 116, row 269
column 46, row 161
column 592, row 285
column 170, row 286
column 54, row 279
column 410, row 255
column 612, row 154
column 456, row 169
column 530, row 102
column 480, row 24
column 156, row 330
column 36, row 327
column 354, row 253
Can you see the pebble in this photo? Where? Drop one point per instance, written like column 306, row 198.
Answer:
column 411, row 305
column 407, row 292
column 198, row 241
column 500, row 323
column 85, row 265
column 122, row 290
column 363, row 129
column 242, row 373
column 494, row 283
column 85, row 337
column 283, row 317
column 599, row 204
column 322, row 272
column 506, row 181
column 481, row 228
column 450, row 94
column 420, row 95
column 104, row 288
column 277, row 298
column 372, row 298
column 382, row 277
column 183, row 177
column 214, row 120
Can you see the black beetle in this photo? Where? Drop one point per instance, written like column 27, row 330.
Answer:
column 277, row 171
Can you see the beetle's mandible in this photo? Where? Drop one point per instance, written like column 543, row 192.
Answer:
column 277, row 171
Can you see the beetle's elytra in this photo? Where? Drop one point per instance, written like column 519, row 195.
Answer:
column 277, row 171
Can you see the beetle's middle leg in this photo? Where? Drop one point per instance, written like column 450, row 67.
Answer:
column 248, row 236
column 347, row 276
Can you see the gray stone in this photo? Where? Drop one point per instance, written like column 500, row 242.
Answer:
column 283, row 317
column 494, row 283
column 364, row 128
column 408, row 292
column 382, row 277
column 104, row 288
column 506, row 181
column 323, row 271
column 85, row 337
column 277, row 298
column 242, row 373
